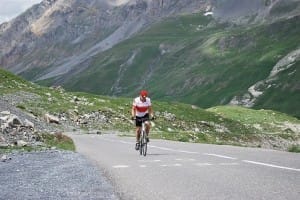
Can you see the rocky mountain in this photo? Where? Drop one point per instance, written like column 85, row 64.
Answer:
column 256, row 11
column 187, row 42
column 56, row 35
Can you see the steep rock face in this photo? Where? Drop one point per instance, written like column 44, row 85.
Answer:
column 255, row 11
column 56, row 37
column 50, row 28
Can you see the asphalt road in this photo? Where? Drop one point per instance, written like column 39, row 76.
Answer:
column 187, row 171
column 52, row 175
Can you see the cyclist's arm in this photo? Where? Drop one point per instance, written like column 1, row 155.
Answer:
column 150, row 110
column 133, row 111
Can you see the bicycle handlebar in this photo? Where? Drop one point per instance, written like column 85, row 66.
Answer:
column 143, row 119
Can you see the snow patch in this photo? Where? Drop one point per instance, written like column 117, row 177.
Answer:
column 117, row 2
column 208, row 13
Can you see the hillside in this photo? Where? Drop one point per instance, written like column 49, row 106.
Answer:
column 206, row 53
column 175, row 121
column 194, row 59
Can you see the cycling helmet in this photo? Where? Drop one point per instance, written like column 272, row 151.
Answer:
column 144, row 93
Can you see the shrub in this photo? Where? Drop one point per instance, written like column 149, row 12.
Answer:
column 294, row 148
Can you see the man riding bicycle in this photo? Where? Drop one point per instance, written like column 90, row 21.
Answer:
column 141, row 109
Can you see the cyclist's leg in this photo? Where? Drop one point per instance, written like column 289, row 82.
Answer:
column 138, row 133
column 147, row 123
column 138, row 125
column 147, row 126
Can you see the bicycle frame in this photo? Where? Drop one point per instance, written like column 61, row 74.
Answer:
column 143, row 139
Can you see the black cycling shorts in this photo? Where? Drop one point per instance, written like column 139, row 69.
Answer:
column 138, row 120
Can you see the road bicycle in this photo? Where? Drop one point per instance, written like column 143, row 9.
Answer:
column 143, row 138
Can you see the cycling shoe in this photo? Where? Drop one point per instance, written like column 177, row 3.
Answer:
column 137, row 146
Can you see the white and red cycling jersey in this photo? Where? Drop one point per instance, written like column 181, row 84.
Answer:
column 141, row 107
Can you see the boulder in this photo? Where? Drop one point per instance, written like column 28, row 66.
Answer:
column 51, row 118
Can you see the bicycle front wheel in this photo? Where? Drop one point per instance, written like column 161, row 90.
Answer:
column 141, row 145
column 144, row 144
column 145, row 149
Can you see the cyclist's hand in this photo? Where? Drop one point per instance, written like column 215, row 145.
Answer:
column 153, row 118
column 132, row 118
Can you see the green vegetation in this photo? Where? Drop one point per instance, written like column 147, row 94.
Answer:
column 265, row 118
column 58, row 140
column 248, row 115
column 9, row 149
column 175, row 121
column 294, row 148
column 196, row 60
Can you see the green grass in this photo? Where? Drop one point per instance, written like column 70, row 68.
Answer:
column 251, row 116
column 10, row 149
column 294, row 148
column 59, row 141
column 175, row 121
column 206, row 63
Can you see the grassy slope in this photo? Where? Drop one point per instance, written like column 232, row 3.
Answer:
column 206, row 63
column 221, row 125
column 285, row 96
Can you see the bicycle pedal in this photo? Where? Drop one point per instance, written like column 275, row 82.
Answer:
column 137, row 146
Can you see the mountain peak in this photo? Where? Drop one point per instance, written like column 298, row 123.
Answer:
column 86, row 45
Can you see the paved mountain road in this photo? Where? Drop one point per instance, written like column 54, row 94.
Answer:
column 187, row 171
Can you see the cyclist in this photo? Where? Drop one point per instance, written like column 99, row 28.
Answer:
column 141, row 109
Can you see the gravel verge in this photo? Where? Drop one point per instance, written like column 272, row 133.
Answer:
column 52, row 175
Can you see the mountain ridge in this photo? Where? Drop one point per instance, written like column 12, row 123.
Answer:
column 90, row 41
column 52, row 14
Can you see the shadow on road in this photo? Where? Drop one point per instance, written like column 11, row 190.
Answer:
column 159, row 154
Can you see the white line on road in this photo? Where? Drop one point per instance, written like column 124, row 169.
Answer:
column 185, row 159
column 177, row 165
column 208, row 154
column 162, row 148
column 189, row 152
column 220, row 156
column 149, row 161
column 171, row 165
column 271, row 165
column 120, row 166
column 203, row 164
column 175, row 150
column 182, row 151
